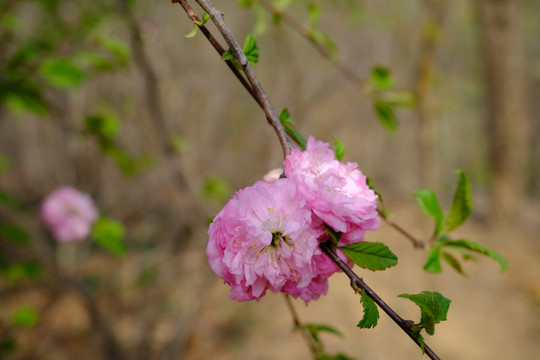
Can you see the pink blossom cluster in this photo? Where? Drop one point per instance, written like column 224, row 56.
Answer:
column 69, row 214
column 267, row 236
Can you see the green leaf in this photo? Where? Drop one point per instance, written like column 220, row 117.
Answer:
column 429, row 203
column 370, row 255
column 335, row 235
column 21, row 100
column 403, row 98
column 193, row 32
column 109, row 234
column 251, row 49
column 472, row 246
column 453, row 262
column 227, row 55
column 371, row 185
column 30, row 270
column 315, row 329
column 25, row 317
column 339, row 148
column 179, row 143
column 323, row 40
column 14, row 233
column 433, row 308
column 107, row 125
column 118, row 48
column 371, row 312
column 461, row 206
column 288, row 123
column 217, row 188
column 314, row 15
column 433, row 264
column 245, row 3
column 261, row 25
column 62, row 73
column 385, row 114
column 381, row 78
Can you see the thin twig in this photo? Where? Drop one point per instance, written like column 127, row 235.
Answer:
column 298, row 325
column 305, row 32
column 271, row 116
column 358, row 283
column 416, row 243
column 216, row 45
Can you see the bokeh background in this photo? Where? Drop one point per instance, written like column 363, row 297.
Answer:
column 110, row 97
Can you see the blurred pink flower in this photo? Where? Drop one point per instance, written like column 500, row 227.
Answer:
column 69, row 214
column 336, row 192
column 273, row 175
column 264, row 239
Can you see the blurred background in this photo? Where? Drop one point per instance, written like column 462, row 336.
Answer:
column 110, row 97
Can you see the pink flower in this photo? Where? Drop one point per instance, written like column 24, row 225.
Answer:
column 264, row 239
column 69, row 214
column 336, row 192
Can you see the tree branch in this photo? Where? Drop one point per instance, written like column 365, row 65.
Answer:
column 257, row 90
column 358, row 283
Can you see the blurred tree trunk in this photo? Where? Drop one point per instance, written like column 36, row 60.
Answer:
column 433, row 13
column 506, row 108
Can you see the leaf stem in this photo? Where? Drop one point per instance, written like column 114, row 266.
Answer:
column 416, row 243
column 313, row 347
column 357, row 283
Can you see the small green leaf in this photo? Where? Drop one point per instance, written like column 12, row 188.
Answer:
column 402, row 98
column 193, row 32
column 385, row 114
column 314, row 15
column 109, row 234
column 288, row 124
column 205, row 18
column 429, row 203
column 335, row 235
column 315, row 329
column 472, row 246
column 251, row 49
column 461, row 206
column 217, row 188
column 339, row 148
column 62, row 73
column 14, row 233
column 433, row 308
column 381, row 78
column 118, row 48
column 371, row 185
column 25, row 317
column 107, row 124
column 453, row 262
column 371, row 312
column 179, row 143
column 227, row 55
column 245, row 3
column 370, row 255
column 433, row 264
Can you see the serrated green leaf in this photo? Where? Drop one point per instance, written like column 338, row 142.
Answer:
column 472, row 246
column 370, row 255
column 433, row 308
column 371, row 312
column 109, row 234
column 25, row 317
column 339, row 148
column 461, row 206
column 385, row 114
column 453, row 262
column 288, row 123
column 433, row 264
column 193, row 32
column 251, row 49
column 335, row 235
column 430, row 205
column 381, row 78
column 62, row 73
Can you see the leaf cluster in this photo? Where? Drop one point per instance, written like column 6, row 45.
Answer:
column 459, row 211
